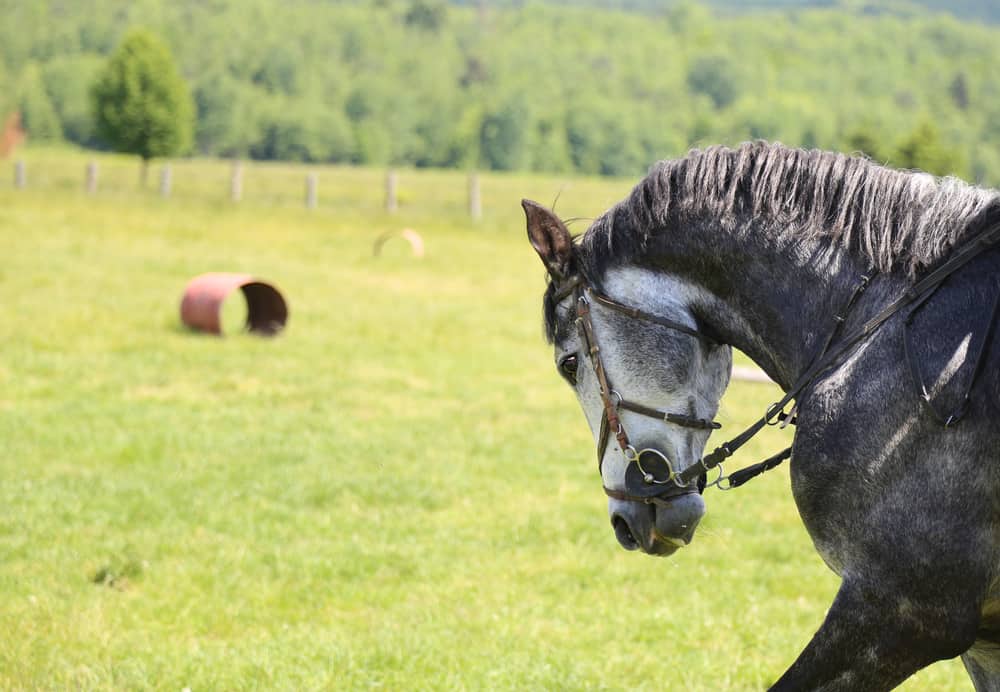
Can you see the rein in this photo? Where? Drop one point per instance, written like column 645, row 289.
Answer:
column 653, row 479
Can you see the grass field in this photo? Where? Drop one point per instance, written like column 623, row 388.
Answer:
column 396, row 493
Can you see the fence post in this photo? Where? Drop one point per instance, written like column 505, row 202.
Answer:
column 236, row 182
column 475, row 200
column 311, row 188
column 391, row 181
column 20, row 176
column 90, row 178
column 166, row 181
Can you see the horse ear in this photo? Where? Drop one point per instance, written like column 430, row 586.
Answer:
column 550, row 238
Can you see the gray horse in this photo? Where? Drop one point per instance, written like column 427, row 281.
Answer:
column 895, row 467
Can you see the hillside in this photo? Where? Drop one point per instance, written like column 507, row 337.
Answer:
column 982, row 10
column 540, row 87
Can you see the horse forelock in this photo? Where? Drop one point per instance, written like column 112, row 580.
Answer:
column 890, row 219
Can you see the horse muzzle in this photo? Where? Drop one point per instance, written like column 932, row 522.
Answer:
column 659, row 526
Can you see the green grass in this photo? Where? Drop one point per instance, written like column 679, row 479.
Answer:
column 398, row 492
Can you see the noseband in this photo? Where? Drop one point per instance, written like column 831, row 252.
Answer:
column 649, row 476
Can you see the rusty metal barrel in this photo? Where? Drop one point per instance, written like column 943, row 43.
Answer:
column 201, row 306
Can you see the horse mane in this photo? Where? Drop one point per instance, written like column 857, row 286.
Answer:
column 892, row 220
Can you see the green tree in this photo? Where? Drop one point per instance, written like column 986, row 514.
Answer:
column 551, row 150
column 959, row 91
column 67, row 81
column 713, row 76
column 280, row 69
column 293, row 131
column 38, row 116
column 229, row 115
column 372, row 144
column 504, row 136
column 922, row 148
column 429, row 15
column 440, row 83
column 141, row 103
column 602, row 141
column 688, row 18
column 863, row 140
column 5, row 105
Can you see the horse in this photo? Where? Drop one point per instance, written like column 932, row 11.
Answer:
column 865, row 293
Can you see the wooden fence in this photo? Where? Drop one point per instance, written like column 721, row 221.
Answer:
column 311, row 199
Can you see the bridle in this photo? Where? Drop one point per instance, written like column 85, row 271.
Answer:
column 649, row 476
column 654, row 480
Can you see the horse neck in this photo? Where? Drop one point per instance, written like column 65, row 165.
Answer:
column 772, row 297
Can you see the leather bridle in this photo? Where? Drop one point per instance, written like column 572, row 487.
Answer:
column 652, row 468
column 654, row 480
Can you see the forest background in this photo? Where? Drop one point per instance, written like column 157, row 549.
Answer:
column 601, row 87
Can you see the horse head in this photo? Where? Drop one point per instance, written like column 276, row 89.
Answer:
column 647, row 377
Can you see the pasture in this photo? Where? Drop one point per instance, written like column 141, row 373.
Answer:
column 398, row 492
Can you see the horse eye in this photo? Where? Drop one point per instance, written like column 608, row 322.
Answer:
column 567, row 368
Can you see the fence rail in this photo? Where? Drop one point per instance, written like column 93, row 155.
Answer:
column 489, row 200
column 91, row 184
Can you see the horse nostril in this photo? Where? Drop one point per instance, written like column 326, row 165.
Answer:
column 623, row 533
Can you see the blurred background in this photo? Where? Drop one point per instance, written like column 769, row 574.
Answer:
column 397, row 491
column 599, row 87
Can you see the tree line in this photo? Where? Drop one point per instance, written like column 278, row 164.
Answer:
column 547, row 87
column 982, row 10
